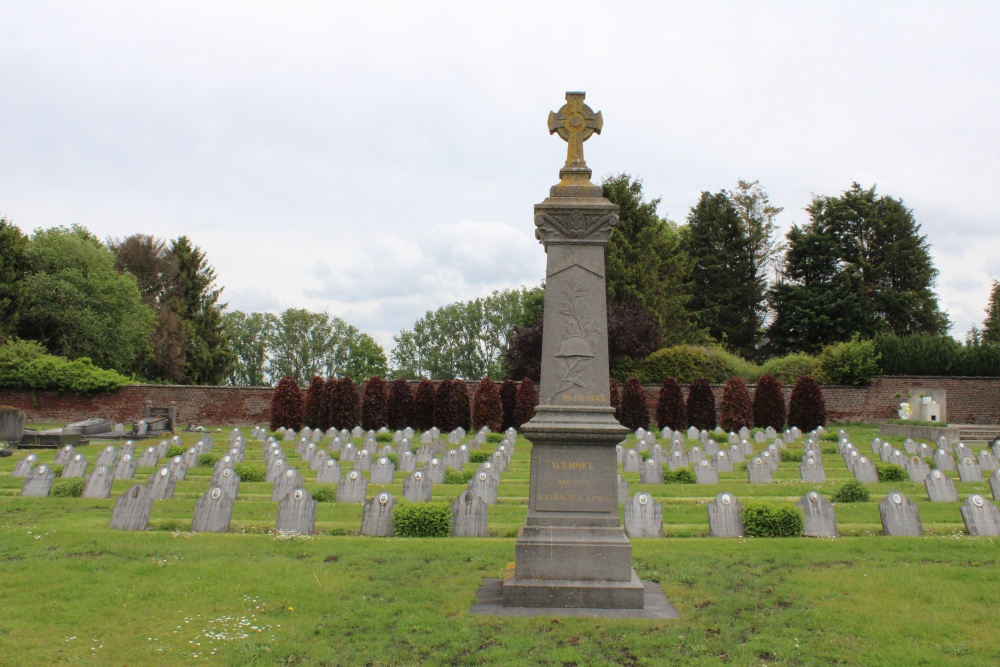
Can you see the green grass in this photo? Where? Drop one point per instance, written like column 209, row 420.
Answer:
column 72, row 591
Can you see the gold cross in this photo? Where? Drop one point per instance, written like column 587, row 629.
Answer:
column 575, row 122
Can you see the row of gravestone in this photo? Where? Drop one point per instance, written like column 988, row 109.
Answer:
column 970, row 467
column 899, row 515
column 790, row 435
column 469, row 516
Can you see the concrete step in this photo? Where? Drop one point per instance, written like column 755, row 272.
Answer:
column 977, row 432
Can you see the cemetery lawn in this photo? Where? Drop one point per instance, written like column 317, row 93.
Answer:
column 74, row 592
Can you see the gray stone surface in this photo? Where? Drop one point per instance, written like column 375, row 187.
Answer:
column 38, row 482
column 418, row 487
column 127, row 449
column 643, row 516
column 274, row 468
column 469, row 516
column 987, row 461
column 484, row 486
column 623, row 491
column 285, row 483
column 64, row 455
column 981, row 517
column 725, row 516
column 376, row 518
column 228, row 481
column 212, row 512
column 125, row 468
column 132, row 509
column 677, row 460
column 328, row 473
column 632, row 462
column 149, row 457
column 770, row 459
column 940, row 488
column 364, row 460
column 23, row 467
column 383, row 470
column 995, row 485
column 812, row 470
column 917, row 469
column 820, row 520
column 865, row 471
column 723, row 463
column 296, row 512
column 161, row 484
column 434, row 470
column 107, row 457
column 98, row 484
column 75, row 467
column 711, row 448
column 969, row 470
column 736, row 454
column 943, row 460
column 650, row 473
column 900, row 516
column 758, row 471
column 177, row 467
column 695, row 456
column 705, row 472
column 353, row 488
column 407, row 462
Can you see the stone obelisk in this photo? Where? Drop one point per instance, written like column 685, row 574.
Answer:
column 572, row 551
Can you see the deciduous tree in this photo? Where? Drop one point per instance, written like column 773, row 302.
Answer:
column 670, row 409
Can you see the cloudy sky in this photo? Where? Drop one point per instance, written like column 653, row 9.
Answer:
column 376, row 160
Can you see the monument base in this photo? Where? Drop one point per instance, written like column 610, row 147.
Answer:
column 567, row 593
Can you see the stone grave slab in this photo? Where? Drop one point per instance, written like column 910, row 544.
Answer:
column 212, row 512
column 98, row 483
column 434, row 471
column 353, row 488
column 865, row 471
column 125, row 468
column 643, row 516
column 705, row 472
column 63, row 456
column 376, row 518
column 820, row 519
column 228, row 481
column 75, row 467
column 469, row 516
column 296, row 512
column 382, row 471
column 987, row 461
column 770, row 460
column 723, row 463
column 148, row 458
column 650, row 473
column 632, row 461
column 364, row 461
column 711, row 448
column 695, row 456
column 940, row 488
column 758, row 471
column 285, row 483
column 736, row 454
column 900, row 516
column 223, row 463
column 969, row 470
column 190, row 456
column 995, row 485
column 178, row 468
column 132, row 510
column 917, row 469
column 23, row 467
column 38, row 482
column 812, row 471
column 725, row 516
column 274, row 469
column 484, row 486
column 418, row 488
column 161, row 485
column 107, row 457
column 943, row 460
column 128, row 449
column 407, row 462
column 981, row 517
column 328, row 473
column 677, row 460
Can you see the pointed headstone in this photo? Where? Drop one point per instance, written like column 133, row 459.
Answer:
column 820, row 520
column 376, row 518
column 132, row 509
column 981, row 517
column 418, row 488
column 285, row 483
column 352, row 488
column 650, row 473
column 643, row 516
column 940, row 488
column 705, row 472
column 75, row 467
column 161, row 484
column 328, row 473
column 469, row 516
column 212, row 512
column 125, row 468
column 296, row 513
column 812, row 471
column 24, row 466
column 484, row 486
column 725, row 516
column 38, row 482
column 900, row 516
column 98, row 484
column 382, row 471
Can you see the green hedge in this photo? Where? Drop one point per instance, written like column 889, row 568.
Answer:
column 852, row 492
column 67, row 488
column 851, row 363
column 249, row 473
column 915, row 422
column 936, row 355
column 494, row 437
column 208, row 460
column 422, row 519
column 679, row 476
column 26, row 365
column 477, row 456
column 890, row 472
column 791, row 367
column 324, row 493
column 687, row 363
column 175, row 450
column 788, row 456
column 767, row 520
column 458, row 476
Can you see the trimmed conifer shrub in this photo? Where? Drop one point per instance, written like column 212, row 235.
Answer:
column 445, row 407
column 508, row 398
column 670, row 409
column 400, row 413
column 527, row 399
column 735, row 409
column 701, row 405
column 423, row 406
column 487, row 409
column 345, row 409
column 635, row 411
column 615, row 398
column 374, row 404
column 463, row 403
column 769, row 403
column 806, row 408
column 286, row 405
column 325, row 416
column 314, row 402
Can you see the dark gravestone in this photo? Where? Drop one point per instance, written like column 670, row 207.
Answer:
column 643, row 516
column 107, row 457
column 917, row 469
column 383, row 470
column 820, row 520
column 178, row 468
column 725, row 516
column 995, row 485
column 900, row 516
column 469, row 516
column 213, row 512
column 24, row 466
column 75, row 467
column 296, row 513
column 329, row 473
column 981, row 517
column 434, row 471
column 943, row 460
column 149, row 458
column 64, row 455
column 940, row 488
column 285, row 483
column 812, row 471
column 132, row 509
column 484, row 486
column 722, row 461
column 632, row 461
column 228, row 481
column 39, row 482
column 125, row 468
column 161, row 484
column 98, row 484
column 650, row 473
column 705, row 472
column 352, row 488
column 376, row 518
column 418, row 488
column 623, row 491
column 865, row 471
column 758, row 471
column 969, row 470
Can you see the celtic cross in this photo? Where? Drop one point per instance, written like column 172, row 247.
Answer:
column 575, row 122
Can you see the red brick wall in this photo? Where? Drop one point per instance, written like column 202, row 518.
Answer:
column 970, row 401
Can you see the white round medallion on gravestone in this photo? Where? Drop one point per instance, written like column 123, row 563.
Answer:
column 376, row 517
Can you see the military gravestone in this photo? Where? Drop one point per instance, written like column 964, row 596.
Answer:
column 132, row 509
column 296, row 513
column 376, row 518
column 469, row 516
column 900, row 515
column 820, row 520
